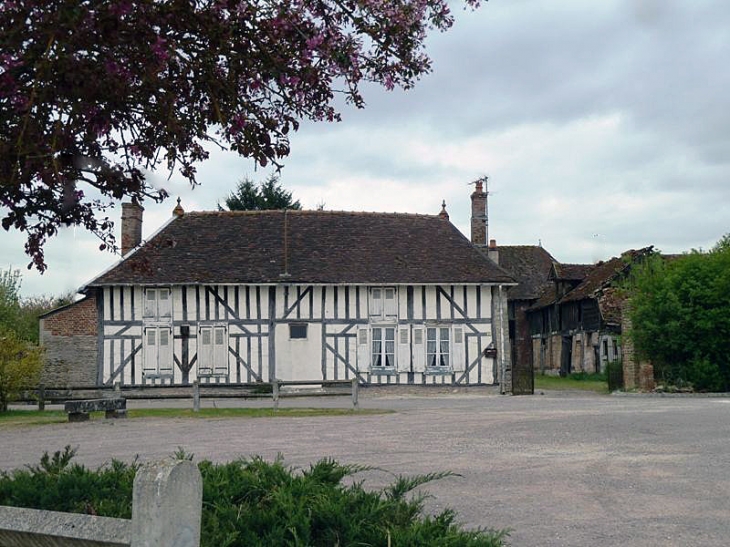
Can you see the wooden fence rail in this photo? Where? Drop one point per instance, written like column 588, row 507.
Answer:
column 197, row 391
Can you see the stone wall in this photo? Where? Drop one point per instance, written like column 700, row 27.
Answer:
column 69, row 336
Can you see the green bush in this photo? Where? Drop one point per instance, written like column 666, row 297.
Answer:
column 20, row 366
column 258, row 503
column 705, row 375
column 681, row 317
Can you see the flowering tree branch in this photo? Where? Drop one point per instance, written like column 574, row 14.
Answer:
column 98, row 93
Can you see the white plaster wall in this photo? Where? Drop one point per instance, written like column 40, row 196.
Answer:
column 298, row 359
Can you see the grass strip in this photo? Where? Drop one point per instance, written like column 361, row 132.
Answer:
column 557, row 383
column 36, row 417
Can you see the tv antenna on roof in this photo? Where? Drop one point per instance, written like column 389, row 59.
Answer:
column 483, row 182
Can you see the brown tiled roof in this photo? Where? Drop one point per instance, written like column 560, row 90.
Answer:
column 546, row 297
column 530, row 265
column 598, row 284
column 572, row 272
column 603, row 274
column 305, row 247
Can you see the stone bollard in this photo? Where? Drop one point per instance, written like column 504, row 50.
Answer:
column 41, row 397
column 196, row 396
column 275, row 392
column 355, row 388
column 167, row 505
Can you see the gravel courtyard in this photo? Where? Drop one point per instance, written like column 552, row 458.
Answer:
column 560, row 469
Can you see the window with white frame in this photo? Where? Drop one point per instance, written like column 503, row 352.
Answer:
column 438, row 347
column 158, row 304
column 212, row 350
column 383, row 347
column 383, row 302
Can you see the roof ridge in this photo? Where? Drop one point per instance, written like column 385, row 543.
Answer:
column 309, row 212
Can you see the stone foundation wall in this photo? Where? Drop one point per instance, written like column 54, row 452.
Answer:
column 69, row 336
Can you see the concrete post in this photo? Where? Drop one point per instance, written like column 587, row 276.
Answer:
column 355, row 388
column 275, row 392
column 41, row 397
column 167, row 505
column 196, row 396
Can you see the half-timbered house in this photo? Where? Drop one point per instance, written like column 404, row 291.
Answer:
column 240, row 297
column 576, row 324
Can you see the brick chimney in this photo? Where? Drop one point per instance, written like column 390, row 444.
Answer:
column 131, row 226
column 479, row 225
column 493, row 252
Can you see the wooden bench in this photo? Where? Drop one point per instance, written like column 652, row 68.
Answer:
column 113, row 407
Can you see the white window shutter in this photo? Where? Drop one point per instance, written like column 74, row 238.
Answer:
column 457, row 350
column 150, row 303
column 165, row 355
column 363, row 349
column 419, row 350
column 403, row 360
column 391, row 302
column 205, row 351
column 149, row 365
column 376, row 301
column 220, row 351
column 164, row 303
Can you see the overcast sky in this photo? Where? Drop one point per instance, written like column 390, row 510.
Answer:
column 603, row 126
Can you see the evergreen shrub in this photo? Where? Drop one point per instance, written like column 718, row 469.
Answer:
column 252, row 502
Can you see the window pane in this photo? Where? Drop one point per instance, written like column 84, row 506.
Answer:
column 164, row 337
column 458, row 336
column 151, row 337
column 376, row 294
column 206, row 337
column 164, row 294
column 431, row 335
column 444, row 334
column 151, row 294
column 219, row 337
column 299, row 331
column 377, row 355
column 389, row 294
column 377, row 334
column 390, row 334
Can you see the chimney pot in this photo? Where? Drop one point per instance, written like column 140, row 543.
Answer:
column 492, row 251
column 131, row 226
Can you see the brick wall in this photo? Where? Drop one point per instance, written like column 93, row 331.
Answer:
column 69, row 337
column 637, row 374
